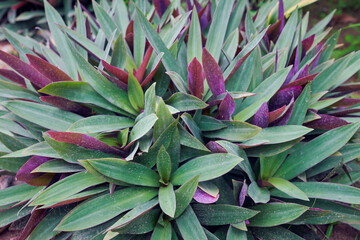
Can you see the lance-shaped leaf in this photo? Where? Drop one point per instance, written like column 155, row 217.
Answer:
column 195, row 79
column 261, row 117
column 284, row 97
column 209, row 167
column 238, row 64
column 17, row 194
column 185, row 102
column 164, row 164
column 273, row 115
column 243, row 193
column 194, row 40
column 189, row 226
column 288, row 188
column 164, row 231
column 13, row 76
column 213, row 74
column 274, row 214
column 25, row 69
column 129, row 172
column 221, row 214
column 139, row 74
column 117, row 72
column 107, row 206
column 66, row 105
column 234, row 131
column 214, row 147
column 202, row 197
column 142, row 127
column 226, row 108
column 136, row 94
column 184, row 194
column 299, row 81
column 154, row 68
column 83, row 140
column 283, row 120
column 326, row 122
column 167, row 200
column 316, row 150
column 34, row 179
column 161, row 6
column 48, row 70
column 35, row 218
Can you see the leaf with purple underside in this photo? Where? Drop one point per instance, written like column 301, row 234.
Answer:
column 281, row 15
column 35, row 179
column 83, row 140
column 161, row 6
column 66, row 105
column 25, row 69
column 213, row 74
column 242, row 194
column 36, row 216
column 284, row 97
column 48, row 70
column 283, row 120
column 195, row 78
column 13, row 76
column 202, row 197
column 117, row 72
column 226, row 108
column 276, row 113
column 238, row 64
column 306, row 44
column 299, row 82
column 116, row 81
column 139, row 74
column 326, row 122
column 215, row 147
column 261, row 117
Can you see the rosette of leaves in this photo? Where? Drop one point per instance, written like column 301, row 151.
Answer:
column 180, row 121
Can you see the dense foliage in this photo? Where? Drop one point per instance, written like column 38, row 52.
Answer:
column 179, row 120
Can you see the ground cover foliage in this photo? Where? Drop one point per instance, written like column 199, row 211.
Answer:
column 179, row 120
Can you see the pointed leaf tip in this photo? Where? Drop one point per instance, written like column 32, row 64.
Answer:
column 202, row 197
column 261, row 117
column 195, row 78
column 226, row 108
column 213, row 74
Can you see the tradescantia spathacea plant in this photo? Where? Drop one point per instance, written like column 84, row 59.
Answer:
column 179, row 120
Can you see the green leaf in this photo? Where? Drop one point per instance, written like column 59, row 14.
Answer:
column 139, row 42
column 288, row 188
column 12, row 214
column 235, row 131
column 142, row 127
column 101, row 123
column 129, row 172
column 104, row 87
column 221, row 214
column 184, row 195
column 316, row 151
column 209, row 167
column 105, row 21
column 187, row 139
column 43, row 115
column 280, row 134
column 271, row 149
column 84, row 215
column 11, row 143
column 185, row 102
column 10, row 90
column 278, row 233
column 135, row 213
column 72, row 153
column 287, row 35
column 63, row 46
column 65, row 188
column 79, row 92
column 167, row 200
column 136, row 94
column 162, row 232
column 178, row 81
column 274, row 214
column 17, row 194
column 158, row 45
column 210, row 124
column 320, row 26
column 57, row 166
column 164, row 164
column 119, row 54
column 218, row 27
column 300, row 107
column 194, row 49
column 318, row 217
column 324, row 190
column 259, row 195
column 189, row 226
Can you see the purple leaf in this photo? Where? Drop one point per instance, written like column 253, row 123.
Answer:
column 195, row 78
column 303, row 73
column 284, row 97
column 36, row 216
column 139, row 74
column 348, row 88
column 306, row 44
column 25, row 69
column 66, row 105
column 346, row 102
column 242, row 194
column 226, row 108
column 281, row 15
column 296, row 60
column 215, row 147
column 276, row 113
column 276, row 60
column 83, row 140
column 283, row 120
column 13, row 76
column 261, row 117
column 300, row 82
column 89, row 14
column 161, row 6
column 213, row 74
column 34, row 179
column 150, row 76
column 319, row 49
column 326, row 122
column 204, row 14
column 202, row 197
column 273, row 31
column 238, row 64
column 116, row 81
column 117, row 72
column 48, row 70
column 289, row 76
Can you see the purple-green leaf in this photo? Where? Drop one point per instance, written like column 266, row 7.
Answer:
column 202, row 197
column 213, row 74
column 261, row 117
column 195, row 79
column 34, row 179
column 226, row 108
column 326, row 122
